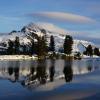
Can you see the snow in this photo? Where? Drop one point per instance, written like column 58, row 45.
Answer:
column 17, row 57
column 94, row 56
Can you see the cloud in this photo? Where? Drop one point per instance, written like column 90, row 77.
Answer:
column 56, row 29
column 52, row 28
column 64, row 17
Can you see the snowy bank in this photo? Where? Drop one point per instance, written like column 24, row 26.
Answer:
column 17, row 57
column 88, row 57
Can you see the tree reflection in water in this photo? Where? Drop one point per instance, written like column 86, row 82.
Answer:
column 10, row 70
column 37, row 75
column 68, row 72
column 89, row 64
column 14, row 70
column 52, row 70
column 32, row 70
column 41, row 74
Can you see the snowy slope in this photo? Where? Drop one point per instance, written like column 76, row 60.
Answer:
column 35, row 29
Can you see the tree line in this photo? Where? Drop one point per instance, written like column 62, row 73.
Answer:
column 40, row 73
column 41, row 47
column 90, row 51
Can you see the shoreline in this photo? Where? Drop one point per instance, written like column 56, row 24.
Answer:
column 17, row 57
column 27, row 57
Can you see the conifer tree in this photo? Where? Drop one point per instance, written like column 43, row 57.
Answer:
column 68, row 44
column 42, row 47
column 10, row 47
column 32, row 47
column 96, row 51
column 89, row 50
column 52, row 44
column 17, row 45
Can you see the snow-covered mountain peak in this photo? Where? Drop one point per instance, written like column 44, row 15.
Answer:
column 39, row 30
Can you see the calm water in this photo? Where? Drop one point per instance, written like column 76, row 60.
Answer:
column 22, row 78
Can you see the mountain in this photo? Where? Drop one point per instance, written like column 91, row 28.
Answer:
column 37, row 30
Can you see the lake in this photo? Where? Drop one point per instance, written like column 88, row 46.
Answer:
column 45, row 79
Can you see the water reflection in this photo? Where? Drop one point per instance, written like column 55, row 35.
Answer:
column 41, row 74
column 90, row 65
column 13, row 71
column 52, row 70
column 10, row 70
column 35, row 73
column 68, row 72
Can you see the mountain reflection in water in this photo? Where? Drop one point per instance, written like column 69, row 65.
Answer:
column 35, row 73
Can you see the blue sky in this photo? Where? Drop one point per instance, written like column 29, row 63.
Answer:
column 78, row 16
